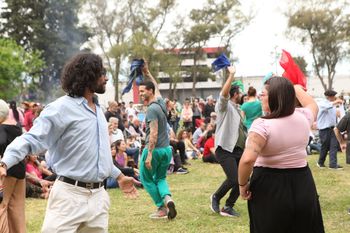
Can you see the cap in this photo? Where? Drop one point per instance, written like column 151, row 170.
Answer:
column 330, row 93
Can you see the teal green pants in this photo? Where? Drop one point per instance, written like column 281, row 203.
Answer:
column 154, row 180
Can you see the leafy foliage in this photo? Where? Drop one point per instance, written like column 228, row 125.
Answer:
column 48, row 26
column 17, row 66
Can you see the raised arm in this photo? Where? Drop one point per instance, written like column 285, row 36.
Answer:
column 306, row 100
column 148, row 74
column 225, row 91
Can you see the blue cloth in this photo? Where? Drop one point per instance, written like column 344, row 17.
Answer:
column 221, row 62
column 135, row 74
column 76, row 137
column 326, row 116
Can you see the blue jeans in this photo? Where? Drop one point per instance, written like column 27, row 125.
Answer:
column 134, row 153
column 112, row 183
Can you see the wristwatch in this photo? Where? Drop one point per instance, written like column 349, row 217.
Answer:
column 2, row 164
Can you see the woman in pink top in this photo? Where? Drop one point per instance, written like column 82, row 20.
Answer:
column 281, row 193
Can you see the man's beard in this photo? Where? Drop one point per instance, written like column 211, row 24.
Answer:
column 100, row 89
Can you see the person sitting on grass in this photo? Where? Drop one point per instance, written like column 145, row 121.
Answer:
column 36, row 186
column 209, row 148
column 120, row 160
column 191, row 151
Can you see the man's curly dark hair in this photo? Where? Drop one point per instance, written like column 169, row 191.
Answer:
column 81, row 71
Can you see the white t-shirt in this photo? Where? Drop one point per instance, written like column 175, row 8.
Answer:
column 117, row 135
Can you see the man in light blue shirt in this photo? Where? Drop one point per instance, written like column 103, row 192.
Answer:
column 326, row 120
column 74, row 130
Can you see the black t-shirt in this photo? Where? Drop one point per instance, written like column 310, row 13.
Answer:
column 344, row 125
column 208, row 109
column 8, row 133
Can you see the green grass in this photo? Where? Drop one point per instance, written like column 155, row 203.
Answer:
column 191, row 193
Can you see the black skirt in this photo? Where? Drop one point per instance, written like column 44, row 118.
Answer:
column 284, row 201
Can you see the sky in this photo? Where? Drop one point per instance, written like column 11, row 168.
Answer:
column 258, row 45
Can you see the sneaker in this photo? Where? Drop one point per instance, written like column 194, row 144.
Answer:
column 170, row 204
column 348, row 211
column 338, row 167
column 322, row 166
column 161, row 213
column 181, row 171
column 229, row 212
column 214, row 204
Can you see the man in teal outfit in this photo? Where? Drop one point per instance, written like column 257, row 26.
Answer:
column 157, row 154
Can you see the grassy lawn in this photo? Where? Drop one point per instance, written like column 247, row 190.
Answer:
column 191, row 193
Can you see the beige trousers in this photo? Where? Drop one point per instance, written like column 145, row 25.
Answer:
column 73, row 209
column 12, row 214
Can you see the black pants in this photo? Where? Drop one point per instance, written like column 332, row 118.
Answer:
column 210, row 159
column 180, row 146
column 328, row 143
column 229, row 162
column 177, row 160
column 284, row 200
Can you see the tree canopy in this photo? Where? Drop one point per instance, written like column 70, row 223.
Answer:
column 326, row 26
column 17, row 67
column 48, row 26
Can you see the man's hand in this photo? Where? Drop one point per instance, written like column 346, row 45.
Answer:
column 145, row 69
column 45, row 185
column 3, row 173
column 231, row 69
column 148, row 161
column 126, row 184
column 245, row 193
column 343, row 147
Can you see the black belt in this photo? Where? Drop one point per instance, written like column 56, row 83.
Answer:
column 332, row 127
column 80, row 184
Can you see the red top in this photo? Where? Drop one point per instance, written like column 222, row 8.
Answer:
column 28, row 120
column 208, row 144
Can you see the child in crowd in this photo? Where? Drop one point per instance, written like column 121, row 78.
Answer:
column 191, row 151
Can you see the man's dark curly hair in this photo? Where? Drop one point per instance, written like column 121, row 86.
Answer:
column 81, row 71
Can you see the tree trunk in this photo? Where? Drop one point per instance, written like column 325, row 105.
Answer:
column 175, row 91
column 116, row 79
column 194, row 75
column 170, row 95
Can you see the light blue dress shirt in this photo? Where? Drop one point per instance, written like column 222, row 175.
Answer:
column 76, row 137
column 326, row 116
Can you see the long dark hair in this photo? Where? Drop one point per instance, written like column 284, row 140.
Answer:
column 281, row 95
column 80, row 72
column 13, row 106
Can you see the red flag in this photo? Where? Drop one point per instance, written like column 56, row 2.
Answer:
column 292, row 70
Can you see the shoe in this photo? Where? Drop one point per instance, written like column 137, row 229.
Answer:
column 181, row 171
column 348, row 211
column 320, row 165
column 214, row 204
column 170, row 204
column 229, row 212
column 338, row 167
column 161, row 213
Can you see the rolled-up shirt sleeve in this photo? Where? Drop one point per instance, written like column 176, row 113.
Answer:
column 221, row 105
